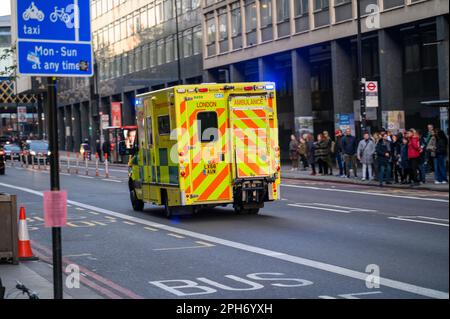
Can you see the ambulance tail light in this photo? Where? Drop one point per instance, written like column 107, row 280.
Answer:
column 203, row 90
column 249, row 88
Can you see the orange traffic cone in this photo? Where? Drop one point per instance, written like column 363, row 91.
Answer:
column 25, row 252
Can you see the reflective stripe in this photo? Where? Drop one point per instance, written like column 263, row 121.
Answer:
column 23, row 230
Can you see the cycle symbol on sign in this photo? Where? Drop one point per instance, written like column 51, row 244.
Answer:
column 66, row 15
column 32, row 12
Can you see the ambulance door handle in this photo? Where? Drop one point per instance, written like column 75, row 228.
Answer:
column 222, row 157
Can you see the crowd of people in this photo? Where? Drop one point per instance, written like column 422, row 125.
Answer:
column 401, row 158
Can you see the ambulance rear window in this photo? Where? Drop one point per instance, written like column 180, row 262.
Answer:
column 208, row 127
column 164, row 125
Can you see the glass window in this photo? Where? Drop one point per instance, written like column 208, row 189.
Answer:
column 144, row 19
column 124, row 64
column 301, row 7
column 187, row 43
column 250, row 16
column 130, row 27
column 208, row 127
column 117, row 31
column 160, row 49
column 198, row 40
column 282, row 10
column 105, row 37
column 104, row 6
column 223, row 23
column 151, row 16
column 169, row 49
column 145, row 59
column 136, row 22
column 153, row 54
column 195, row 4
column 159, row 15
column 99, row 8
column 236, row 20
column 131, row 57
column 168, row 10
column 211, row 30
column 163, row 125
column 111, row 34
column 149, row 131
column 187, row 5
column 118, row 66
column 123, row 28
column 321, row 4
column 266, row 12
column 94, row 10
column 138, row 59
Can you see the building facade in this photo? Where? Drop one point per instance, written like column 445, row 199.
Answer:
column 137, row 49
column 309, row 48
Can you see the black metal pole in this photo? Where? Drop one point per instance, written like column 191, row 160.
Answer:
column 180, row 81
column 362, row 91
column 54, row 184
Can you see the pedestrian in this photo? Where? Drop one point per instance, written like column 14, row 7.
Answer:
column 396, row 154
column 384, row 155
column 366, row 149
column 85, row 149
column 422, row 157
column 98, row 149
column 302, row 152
column 322, row 153
column 331, row 146
column 429, row 159
column 414, row 151
column 375, row 138
column 293, row 152
column 338, row 153
column 106, row 148
column 311, row 150
column 403, row 162
column 440, row 158
column 349, row 148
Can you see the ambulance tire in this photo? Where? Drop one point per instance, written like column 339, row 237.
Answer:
column 138, row 205
column 253, row 211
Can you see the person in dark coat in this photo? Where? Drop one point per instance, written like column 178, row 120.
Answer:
column 403, row 161
column 384, row 155
column 441, row 154
column 311, row 149
column 98, row 150
column 322, row 152
column 106, row 148
column 349, row 148
column 338, row 152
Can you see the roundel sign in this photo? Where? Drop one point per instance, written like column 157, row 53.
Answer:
column 371, row 94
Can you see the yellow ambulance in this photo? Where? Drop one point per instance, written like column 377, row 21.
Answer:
column 206, row 145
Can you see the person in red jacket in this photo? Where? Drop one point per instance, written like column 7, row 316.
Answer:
column 414, row 151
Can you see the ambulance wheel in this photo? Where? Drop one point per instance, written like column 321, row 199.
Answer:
column 138, row 205
column 168, row 210
column 2, row 171
column 239, row 210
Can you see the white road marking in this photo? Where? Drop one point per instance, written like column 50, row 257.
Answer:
column 84, row 176
column 433, row 218
column 111, row 180
column 418, row 221
column 65, row 174
column 349, row 208
column 151, row 229
column 366, row 193
column 79, row 208
column 320, row 208
column 175, row 235
column 406, row 287
column 93, row 213
column 129, row 223
column 352, row 295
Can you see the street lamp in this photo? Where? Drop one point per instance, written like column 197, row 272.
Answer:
column 361, row 81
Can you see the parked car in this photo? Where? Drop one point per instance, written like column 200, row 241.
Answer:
column 2, row 161
column 36, row 150
column 12, row 152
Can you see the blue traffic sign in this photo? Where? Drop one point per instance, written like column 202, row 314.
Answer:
column 54, row 37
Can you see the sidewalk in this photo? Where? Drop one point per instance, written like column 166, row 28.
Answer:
column 305, row 175
column 63, row 155
column 33, row 275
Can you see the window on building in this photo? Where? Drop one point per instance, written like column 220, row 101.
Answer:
column 195, row 4
column 118, row 66
column 93, row 10
column 151, row 16
column 153, row 54
column 125, row 64
column 131, row 58
column 159, row 14
column 321, row 4
column 145, row 58
column 168, row 10
column 197, row 40
column 111, row 34
column 117, row 34
column 138, row 59
column 160, row 50
column 130, row 27
column 301, row 7
column 136, row 23
column 211, row 29
column 187, row 43
column 282, row 10
column 123, row 28
column 164, row 125
column 105, row 37
column 250, row 16
column 236, row 20
column 266, row 12
column 223, row 23
column 169, row 49
column 98, row 8
column 207, row 127
column 187, row 5
column 104, row 6
column 144, row 19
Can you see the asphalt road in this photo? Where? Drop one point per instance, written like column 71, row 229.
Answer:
column 322, row 240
